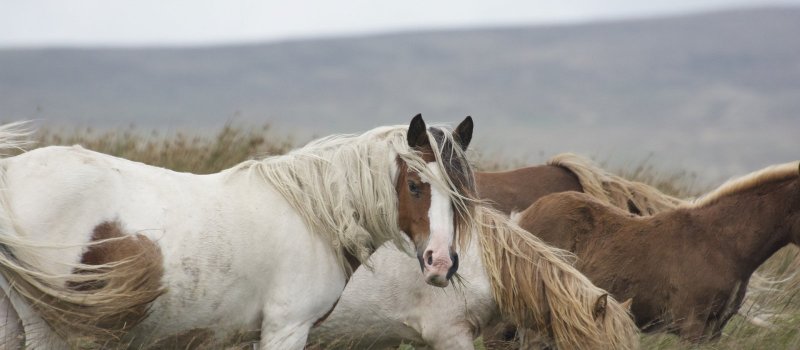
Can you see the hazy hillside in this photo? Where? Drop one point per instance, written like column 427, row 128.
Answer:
column 717, row 94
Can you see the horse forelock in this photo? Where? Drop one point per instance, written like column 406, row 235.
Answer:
column 537, row 287
column 770, row 174
column 453, row 162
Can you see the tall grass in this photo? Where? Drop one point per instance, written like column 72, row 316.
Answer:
column 200, row 154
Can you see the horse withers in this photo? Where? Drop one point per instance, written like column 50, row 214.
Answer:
column 100, row 250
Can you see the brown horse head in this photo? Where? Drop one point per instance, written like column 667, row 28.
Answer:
column 426, row 212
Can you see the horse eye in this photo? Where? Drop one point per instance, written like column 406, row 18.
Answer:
column 413, row 188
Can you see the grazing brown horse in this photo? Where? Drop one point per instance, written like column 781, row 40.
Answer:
column 686, row 269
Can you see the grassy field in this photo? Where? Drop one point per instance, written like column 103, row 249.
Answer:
column 231, row 145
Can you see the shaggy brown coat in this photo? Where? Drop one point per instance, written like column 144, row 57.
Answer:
column 685, row 269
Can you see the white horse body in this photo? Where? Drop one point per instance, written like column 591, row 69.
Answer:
column 264, row 246
column 391, row 304
column 220, row 236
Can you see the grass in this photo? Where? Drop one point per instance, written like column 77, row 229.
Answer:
column 233, row 144
column 180, row 152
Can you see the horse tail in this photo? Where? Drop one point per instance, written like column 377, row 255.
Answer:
column 633, row 196
column 104, row 295
column 536, row 286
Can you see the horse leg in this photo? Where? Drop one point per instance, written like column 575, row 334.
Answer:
column 11, row 332
column 37, row 335
column 286, row 324
column 287, row 336
column 692, row 328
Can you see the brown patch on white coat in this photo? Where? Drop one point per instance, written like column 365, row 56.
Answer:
column 109, row 294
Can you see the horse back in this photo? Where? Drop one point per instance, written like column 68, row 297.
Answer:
column 517, row 189
column 227, row 241
column 60, row 195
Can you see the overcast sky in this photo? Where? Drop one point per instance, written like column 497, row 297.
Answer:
column 167, row 22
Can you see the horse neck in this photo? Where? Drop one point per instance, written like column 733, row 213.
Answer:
column 752, row 222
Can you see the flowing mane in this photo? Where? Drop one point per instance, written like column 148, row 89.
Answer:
column 536, row 286
column 779, row 172
column 615, row 190
column 342, row 185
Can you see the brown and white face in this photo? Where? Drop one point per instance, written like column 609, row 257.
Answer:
column 426, row 212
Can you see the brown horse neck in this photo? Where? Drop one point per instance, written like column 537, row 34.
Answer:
column 752, row 223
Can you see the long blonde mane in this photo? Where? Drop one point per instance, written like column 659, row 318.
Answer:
column 615, row 190
column 537, row 287
column 771, row 173
column 342, row 186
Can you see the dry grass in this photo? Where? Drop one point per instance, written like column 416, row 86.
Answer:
column 179, row 151
column 233, row 144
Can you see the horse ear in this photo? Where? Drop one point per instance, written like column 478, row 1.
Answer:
column 463, row 133
column 627, row 304
column 417, row 134
column 600, row 307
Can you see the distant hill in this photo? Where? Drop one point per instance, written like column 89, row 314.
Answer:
column 716, row 93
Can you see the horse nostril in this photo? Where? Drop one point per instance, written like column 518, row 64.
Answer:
column 428, row 257
column 454, row 267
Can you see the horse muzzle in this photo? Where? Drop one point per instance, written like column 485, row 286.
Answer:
column 438, row 269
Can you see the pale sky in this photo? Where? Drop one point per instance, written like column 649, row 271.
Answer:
column 198, row 22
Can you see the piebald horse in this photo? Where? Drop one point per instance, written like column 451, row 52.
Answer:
column 98, row 251
column 687, row 269
column 395, row 309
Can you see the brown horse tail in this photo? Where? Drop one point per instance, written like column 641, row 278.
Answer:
column 536, row 286
column 635, row 197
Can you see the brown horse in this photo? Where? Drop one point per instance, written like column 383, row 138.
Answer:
column 686, row 269
column 515, row 190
